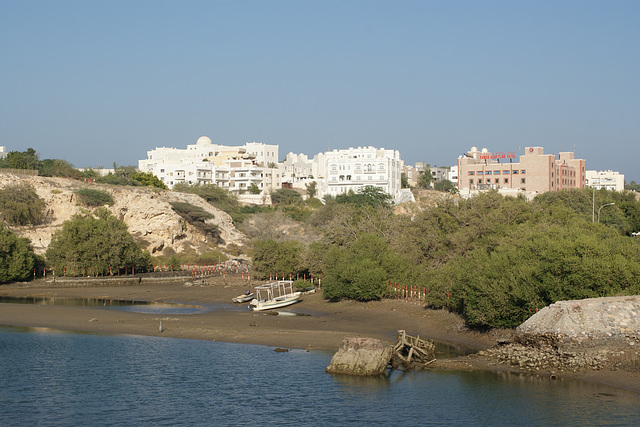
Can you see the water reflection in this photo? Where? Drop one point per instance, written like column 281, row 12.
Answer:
column 114, row 304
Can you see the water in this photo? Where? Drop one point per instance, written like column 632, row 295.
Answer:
column 60, row 378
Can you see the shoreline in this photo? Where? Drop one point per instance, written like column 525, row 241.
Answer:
column 319, row 325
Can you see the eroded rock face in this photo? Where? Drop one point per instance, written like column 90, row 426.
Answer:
column 588, row 323
column 361, row 356
column 146, row 211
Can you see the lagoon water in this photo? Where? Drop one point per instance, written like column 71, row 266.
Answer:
column 62, row 378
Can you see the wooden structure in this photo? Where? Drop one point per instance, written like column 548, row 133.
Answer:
column 411, row 352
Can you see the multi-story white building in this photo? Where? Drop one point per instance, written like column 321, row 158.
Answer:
column 609, row 180
column 355, row 168
column 3, row 152
column 232, row 168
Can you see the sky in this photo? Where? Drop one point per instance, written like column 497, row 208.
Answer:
column 103, row 81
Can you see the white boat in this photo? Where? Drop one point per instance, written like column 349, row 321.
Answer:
column 247, row 296
column 274, row 295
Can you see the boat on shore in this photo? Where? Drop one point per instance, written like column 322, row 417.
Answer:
column 247, row 296
column 274, row 295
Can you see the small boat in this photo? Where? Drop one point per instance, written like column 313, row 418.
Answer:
column 274, row 295
column 247, row 296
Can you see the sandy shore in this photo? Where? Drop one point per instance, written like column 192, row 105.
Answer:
column 319, row 325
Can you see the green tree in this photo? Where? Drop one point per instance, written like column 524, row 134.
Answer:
column 404, row 182
column 254, row 189
column 286, row 196
column 57, row 168
column 425, row 178
column 278, row 258
column 362, row 271
column 21, row 160
column 20, row 205
column 369, row 195
column 445, row 185
column 99, row 242
column 148, row 179
column 312, row 189
column 17, row 259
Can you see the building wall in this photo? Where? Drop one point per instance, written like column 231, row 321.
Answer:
column 535, row 172
column 232, row 168
column 609, row 180
column 354, row 168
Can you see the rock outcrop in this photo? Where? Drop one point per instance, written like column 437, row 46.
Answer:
column 576, row 335
column 146, row 211
column 361, row 356
column 588, row 323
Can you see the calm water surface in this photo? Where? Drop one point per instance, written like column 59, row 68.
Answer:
column 61, row 378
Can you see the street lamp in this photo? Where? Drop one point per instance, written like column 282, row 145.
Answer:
column 608, row 204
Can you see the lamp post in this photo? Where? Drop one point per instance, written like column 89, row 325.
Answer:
column 608, row 204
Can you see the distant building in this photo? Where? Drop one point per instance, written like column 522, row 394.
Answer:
column 609, row 180
column 233, row 168
column 535, row 173
column 355, row 168
column 3, row 152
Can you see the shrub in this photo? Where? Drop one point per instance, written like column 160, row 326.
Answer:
column 98, row 241
column 197, row 217
column 93, row 198
column 279, row 258
column 17, row 259
column 20, row 205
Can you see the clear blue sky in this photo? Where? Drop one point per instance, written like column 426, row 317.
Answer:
column 97, row 82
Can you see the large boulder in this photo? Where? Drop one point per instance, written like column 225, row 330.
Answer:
column 361, row 356
column 582, row 324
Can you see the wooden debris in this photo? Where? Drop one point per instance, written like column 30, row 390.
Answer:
column 411, row 352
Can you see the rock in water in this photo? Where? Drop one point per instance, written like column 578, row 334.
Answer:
column 361, row 356
column 584, row 324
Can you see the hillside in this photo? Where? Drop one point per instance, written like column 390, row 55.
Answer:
column 146, row 211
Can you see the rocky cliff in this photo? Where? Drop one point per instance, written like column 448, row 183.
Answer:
column 146, row 211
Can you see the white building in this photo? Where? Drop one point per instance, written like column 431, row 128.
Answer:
column 609, row 180
column 3, row 152
column 355, row 168
column 232, row 168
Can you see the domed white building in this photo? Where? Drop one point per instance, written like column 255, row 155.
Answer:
column 232, row 168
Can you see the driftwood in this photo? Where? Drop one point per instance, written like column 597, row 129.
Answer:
column 411, row 352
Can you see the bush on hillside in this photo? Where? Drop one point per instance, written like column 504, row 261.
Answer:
column 93, row 198
column 96, row 241
column 20, row 205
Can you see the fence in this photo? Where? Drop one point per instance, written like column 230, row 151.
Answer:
column 413, row 294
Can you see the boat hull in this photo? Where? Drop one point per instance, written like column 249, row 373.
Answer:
column 277, row 303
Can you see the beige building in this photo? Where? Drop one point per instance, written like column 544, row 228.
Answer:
column 535, row 172
column 610, row 180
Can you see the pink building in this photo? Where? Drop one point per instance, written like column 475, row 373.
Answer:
column 535, row 172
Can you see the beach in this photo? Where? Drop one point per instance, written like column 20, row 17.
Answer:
column 318, row 325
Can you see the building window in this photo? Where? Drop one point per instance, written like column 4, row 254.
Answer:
column 479, row 172
column 161, row 170
column 524, row 171
column 334, row 167
column 515, row 172
column 381, row 166
column 497, row 180
column 522, row 181
column 505, row 172
column 470, row 182
column 487, row 173
column 506, row 180
column 472, row 173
